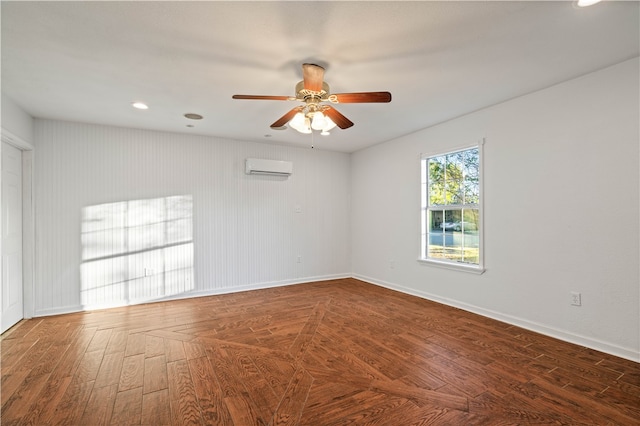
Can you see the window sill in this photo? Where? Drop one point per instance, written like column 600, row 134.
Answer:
column 453, row 266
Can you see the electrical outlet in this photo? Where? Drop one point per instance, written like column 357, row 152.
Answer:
column 392, row 264
column 299, row 259
column 576, row 298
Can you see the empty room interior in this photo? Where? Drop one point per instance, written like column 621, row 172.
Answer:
column 320, row 213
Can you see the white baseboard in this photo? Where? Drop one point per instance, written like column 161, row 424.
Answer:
column 57, row 311
column 202, row 293
column 257, row 286
column 567, row 336
column 564, row 335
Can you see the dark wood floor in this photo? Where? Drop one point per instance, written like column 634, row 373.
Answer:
column 328, row 353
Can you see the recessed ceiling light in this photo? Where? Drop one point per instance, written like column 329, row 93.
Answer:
column 585, row 3
column 140, row 105
column 192, row 116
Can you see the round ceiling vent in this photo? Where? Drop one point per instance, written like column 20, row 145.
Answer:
column 192, row 116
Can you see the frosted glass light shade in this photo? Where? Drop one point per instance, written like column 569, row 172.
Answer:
column 328, row 124
column 318, row 121
column 297, row 121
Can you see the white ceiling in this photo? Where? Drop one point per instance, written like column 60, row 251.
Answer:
column 87, row 61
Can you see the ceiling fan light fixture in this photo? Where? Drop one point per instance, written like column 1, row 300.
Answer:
column 314, row 115
column 306, row 127
column 328, row 124
column 297, row 122
column 318, row 122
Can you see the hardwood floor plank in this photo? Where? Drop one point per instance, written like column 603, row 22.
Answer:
column 292, row 403
column 31, row 356
column 117, row 342
column 621, row 401
column 99, row 406
column 327, row 353
column 47, row 363
column 171, row 335
column 132, row 374
column 434, row 398
column 155, row 374
column 89, row 366
column 303, row 339
column 516, row 409
column 12, row 351
column 240, row 387
column 207, row 388
column 20, row 330
column 100, row 340
column 70, row 361
column 451, row 372
column 242, row 411
column 220, row 361
column 400, row 411
column 73, row 403
column 174, row 350
column 337, row 408
column 193, row 350
column 18, row 404
column 41, row 411
column 255, row 385
column 153, row 346
column 136, row 344
column 127, row 409
column 110, row 368
column 11, row 383
column 182, row 394
column 156, row 409
column 275, row 371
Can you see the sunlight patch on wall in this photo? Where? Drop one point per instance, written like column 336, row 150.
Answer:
column 136, row 251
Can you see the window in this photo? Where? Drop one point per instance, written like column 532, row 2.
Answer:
column 451, row 209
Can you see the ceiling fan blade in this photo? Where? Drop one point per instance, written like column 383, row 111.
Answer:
column 312, row 75
column 362, row 97
column 340, row 120
column 285, row 118
column 263, row 97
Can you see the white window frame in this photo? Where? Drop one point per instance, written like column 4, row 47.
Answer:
column 425, row 208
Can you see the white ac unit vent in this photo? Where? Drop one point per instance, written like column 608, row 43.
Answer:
column 256, row 166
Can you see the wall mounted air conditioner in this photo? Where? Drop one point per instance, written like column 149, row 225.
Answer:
column 256, row 166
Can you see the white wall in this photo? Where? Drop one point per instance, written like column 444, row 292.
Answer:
column 16, row 120
column 247, row 233
column 561, row 211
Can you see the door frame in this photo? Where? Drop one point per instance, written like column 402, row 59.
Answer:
column 28, row 221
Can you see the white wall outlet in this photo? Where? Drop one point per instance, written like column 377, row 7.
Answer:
column 392, row 264
column 299, row 259
column 576, row 298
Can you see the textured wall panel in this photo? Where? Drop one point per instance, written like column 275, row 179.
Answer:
column 248, row 230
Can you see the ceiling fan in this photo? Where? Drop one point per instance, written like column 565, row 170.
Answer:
column 313, row 114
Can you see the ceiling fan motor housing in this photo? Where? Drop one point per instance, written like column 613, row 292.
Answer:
column 306, row 94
